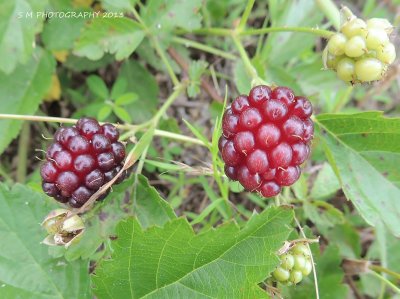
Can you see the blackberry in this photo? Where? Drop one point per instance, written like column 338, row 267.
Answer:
column 81, row 159
column 266, row 137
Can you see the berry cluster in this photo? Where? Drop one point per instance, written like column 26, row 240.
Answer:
column 295, row 264
column 81, row 159
column 361, row 51
column 265, row 138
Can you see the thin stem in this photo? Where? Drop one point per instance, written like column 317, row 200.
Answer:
column 386, row 281
column 378, row 268
column 246, row 14
column 23, row 146
column 245, row 58
column 179, row 88
column 179, row 137
column 202, row 47
column 329, row 8
column 312, row 258
column 228, row 32
column 164, row 59
column 134, row 128
column 316, row 31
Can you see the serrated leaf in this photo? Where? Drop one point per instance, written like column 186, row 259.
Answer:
column 119, row 5
column 126, row 99
column 119, row 36
column 18, row 26
column 26, row 269
column 60, row 33
column 150, row 208
column 361, row 147
column 175, row 262
column 164, row 15
column 97, row 86
column 196, row 70
column 22, row 91
column 122, row 114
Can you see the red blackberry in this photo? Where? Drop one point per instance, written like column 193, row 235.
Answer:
column 266, row 137
column 81, row 159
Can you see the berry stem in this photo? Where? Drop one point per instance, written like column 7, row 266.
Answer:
column 199, row 46
column 164, row 59
column 251, row 71
column 329, row 8
column 246, row 14
column 178, row 89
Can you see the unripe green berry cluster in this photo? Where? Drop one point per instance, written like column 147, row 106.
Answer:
column 361, row 51
column 295, row 264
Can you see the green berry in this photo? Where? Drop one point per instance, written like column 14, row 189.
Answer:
column 307, row 268
column 299, row 262
column 346, row 69
column 369, row 69
column 295, row 277
column 287, row 261
column 281, row 274
column 301, row 248
column 387, row 54
column 337, row 43
column 353, row 27
column 355, row 47
column 379, row 23
column 376, row 38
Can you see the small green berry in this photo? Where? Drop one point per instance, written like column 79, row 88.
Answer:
column 387, row 54
column 287, row 261
column 369, row 69
column 336, row 44
column 299, row 262
column 307, row 268
column 355, row 47
column 379, row 23
column 376, row 38
column 346, row 69
column 301, row 248
column 353, row 27
column 295, row 277
column 281, row 274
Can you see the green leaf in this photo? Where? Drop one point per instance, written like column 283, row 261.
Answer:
column 142, row 82
column 281, row 47
column 164, row 15
column 97, row 86
column 26, row 269
column 22, row 91
column 196, row 70
column 126, row 99
column 119, row 5
column 361, row 149
column 119, row 36
column 122, row 114
column 104, row 112
column 60, row 33
column 326, row 184
column 330, row 279
column 118, row 88
column 175, row 262
column 150, row 208
column 18, row 26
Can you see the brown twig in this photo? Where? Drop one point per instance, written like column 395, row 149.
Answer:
column 207, row 86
